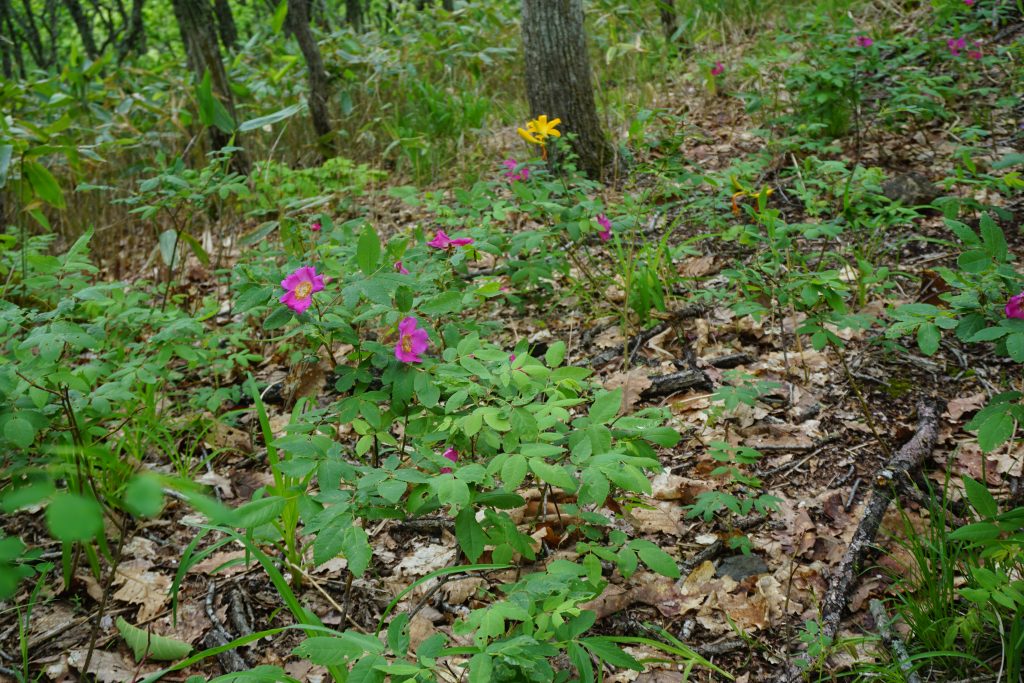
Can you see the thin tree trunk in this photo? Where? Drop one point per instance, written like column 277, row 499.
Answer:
column 354, row 14
column 226, row 25
column 7, row 44
column 84, row 27
column 448, row 5
column 198, row 33
column 669, row 19
column 298, row 22
column 134, row 40
column 558, row 80
column 32, row 39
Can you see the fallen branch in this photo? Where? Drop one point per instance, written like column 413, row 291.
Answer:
column 893, row 642
column 897, row 472
column 637, row 341
column 665, row 385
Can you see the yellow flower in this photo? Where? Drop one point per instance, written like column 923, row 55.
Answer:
column 539, row 130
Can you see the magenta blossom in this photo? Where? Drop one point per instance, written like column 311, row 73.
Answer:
column 399, row 268
column 1015, row 307
column 606, row 227
column 864, row 41
column 450, row 454
column 315, row 227
column 412, row 341
column 301, row 285
column 976, row 52
column 443, row 241
column 512, row 175
column 955, row 45
column 718, row 69
column 968, row 2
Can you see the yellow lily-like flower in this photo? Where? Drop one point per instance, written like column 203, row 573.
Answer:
column 744, row 192
column 539, row 130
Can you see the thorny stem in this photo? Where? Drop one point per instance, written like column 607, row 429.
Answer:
column 863, row 404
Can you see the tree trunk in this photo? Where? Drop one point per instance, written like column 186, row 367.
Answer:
column 198, row 33
column 32, row 39
column 558, row 78
column 7, row 44
column 226, row 25
column 298, row 23
column 134, row 39
column 669, row 19
column 354, row 14
column 84, row 27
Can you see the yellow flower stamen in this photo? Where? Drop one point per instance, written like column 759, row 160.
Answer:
column 303, row 290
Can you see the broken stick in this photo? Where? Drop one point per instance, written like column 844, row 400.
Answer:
column 897, row 472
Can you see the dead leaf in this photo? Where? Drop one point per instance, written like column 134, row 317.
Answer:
column 661, row 518
column 633, row 383
column 697, row 266
column 957, row 407
column 142, row 587
column 107, row 667
column 424, row 560
column 216, row 560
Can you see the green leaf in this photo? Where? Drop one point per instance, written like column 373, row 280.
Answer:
column 5, row 162
column 356, row 546
column 974, row 261
column 609, row 652
column 555, row 354
column 552, row 474
column 147, row 645
column 470, row 534
column 403, row 299
column 995, row 431
column 656, row 558
column 398, row 636
column 211, row 110
column 43, row 184
column 20, row 432
column 259, row 512
column 277, row 21
column 928, row 337
column 980, row 497
column 71, row 517
column 993, row 239
column 328, row 651
column 606, row 406
column 144, row 496
column 481, row 668
column 368, row 250
column 269, row 119
column 168, row 246
column 581, row 660
column 151, row 646
column 366, row 671
column 513, row 471
column 1015, row 346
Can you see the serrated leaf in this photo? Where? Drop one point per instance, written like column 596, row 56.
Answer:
column 356, row 547
column 552, row 474
column 470, row 534
column 147, row 645
column 368, row 250
column 513, row 471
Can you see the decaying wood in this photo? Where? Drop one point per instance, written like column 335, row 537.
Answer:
column 665, row 385
column 230, row 661
column 893, row 642
column 896, row 472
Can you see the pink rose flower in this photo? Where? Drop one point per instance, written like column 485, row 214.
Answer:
column 450, row 454
column 606, row 227
column 512, row 175
column 399, row 268
column 301, row 285
column 718, row 69
column 1015, row 307
column 955, row 45
column 315, row 227
column 443, row 241
column 412, row 341
column 864, row 41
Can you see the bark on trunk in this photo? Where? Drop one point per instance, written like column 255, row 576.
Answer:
column 134, row 40
column 298, row 22
column 354, row 14
column 198, row 33
column 226, row 25
column 7, row 44
column 669, row 19
column 558, row 81
column 32, row 38
column 83, row 25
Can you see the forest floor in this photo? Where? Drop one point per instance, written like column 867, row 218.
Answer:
column 823, row 454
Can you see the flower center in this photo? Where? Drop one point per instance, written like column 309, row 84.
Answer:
column 407, row 344
column 303, row 290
